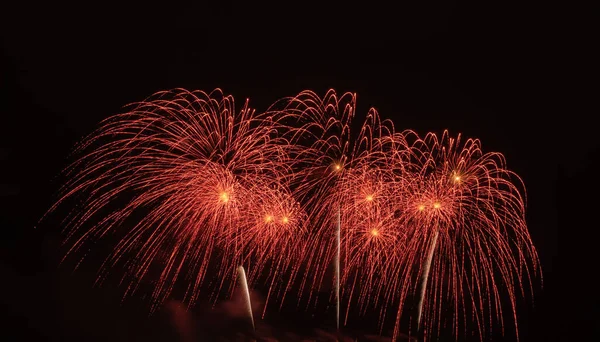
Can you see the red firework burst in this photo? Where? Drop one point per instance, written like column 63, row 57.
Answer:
column 468, row 239
column 198, row 172
column 186, row 183
column 271, row 242
column 349, row 188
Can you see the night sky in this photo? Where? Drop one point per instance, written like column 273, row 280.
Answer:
column 495, row 73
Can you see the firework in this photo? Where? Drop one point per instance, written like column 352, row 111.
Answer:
column 194, row 172
column 194, row 190
column 271, row 241
column 348, row 187
column 468, row 242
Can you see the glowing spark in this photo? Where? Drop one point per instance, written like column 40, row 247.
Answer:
column 369, row 198
column 374, row 232
column 224, row 197
column 457, row 178
column 437, row 205
column 421, row 207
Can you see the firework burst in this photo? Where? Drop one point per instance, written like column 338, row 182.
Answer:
column 193, row 190
column 468, row 241
column 349, row 188
column 195, row 172
column 271, row 242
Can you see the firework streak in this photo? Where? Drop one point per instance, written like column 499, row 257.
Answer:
column 190, row 188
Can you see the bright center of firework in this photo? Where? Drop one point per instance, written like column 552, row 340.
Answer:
column 437, row 205
column 268, row 218
column 369, row 198
column 224, row 197
column 457, row 178
column 374, row 232
column 421, row 207
column 337, row 167
column 285, row 219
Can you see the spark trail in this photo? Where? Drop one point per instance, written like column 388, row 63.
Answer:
column 425, row 277
column 244, row 284
column 337, row 268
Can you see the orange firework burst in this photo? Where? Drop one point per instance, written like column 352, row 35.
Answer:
column 197, row 171
column 468, row 239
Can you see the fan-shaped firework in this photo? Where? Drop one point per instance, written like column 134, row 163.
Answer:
column 468, row 239
column 197, row 171
column 185, row 183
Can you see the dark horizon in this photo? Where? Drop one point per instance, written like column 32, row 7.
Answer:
column 475, row 70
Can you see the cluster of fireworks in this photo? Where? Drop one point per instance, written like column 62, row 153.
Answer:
column 193, row 189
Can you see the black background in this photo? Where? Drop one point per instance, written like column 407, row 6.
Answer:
column 513, row 76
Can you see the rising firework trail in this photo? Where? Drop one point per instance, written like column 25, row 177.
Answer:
column 337, row 267
column 246, row 291
column 425, row 277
